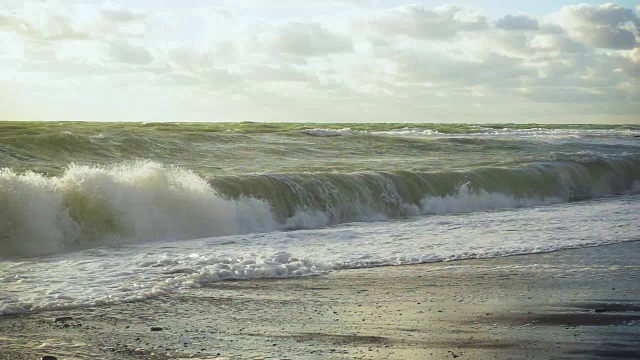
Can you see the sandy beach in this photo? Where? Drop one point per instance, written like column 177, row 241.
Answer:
column 582, row 303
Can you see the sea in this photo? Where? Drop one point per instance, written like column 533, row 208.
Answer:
column 102, row 213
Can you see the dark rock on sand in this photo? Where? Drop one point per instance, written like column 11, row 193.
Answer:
column 63, row 319
column 156, row 328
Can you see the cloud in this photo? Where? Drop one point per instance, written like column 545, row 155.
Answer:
column 8, row 22
column 11, row 4
column 304, row 40
column 63, row 68
column 111, row 20
column 289, row 5
column 118, row 14
column 124, row 52
column 443, row 70
column 607, row 26
column 275, row 74
column 416, row 21
column 50, row 21
column 632, row 55
column 555, row 43
column 203, row 68
column 56, row 27
column 517, row 22
column 219, row 13
column 630, row 64
column 43, row 21
column 573, row 95
column 188, row 59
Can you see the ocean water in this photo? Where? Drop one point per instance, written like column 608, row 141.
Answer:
column 100, row 213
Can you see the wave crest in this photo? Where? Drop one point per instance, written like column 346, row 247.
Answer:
column 94, row 206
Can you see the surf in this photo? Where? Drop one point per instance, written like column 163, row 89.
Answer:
column 143, row 201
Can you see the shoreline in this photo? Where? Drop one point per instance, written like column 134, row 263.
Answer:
column 577, row 303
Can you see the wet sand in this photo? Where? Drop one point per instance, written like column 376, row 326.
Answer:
column 582, row 303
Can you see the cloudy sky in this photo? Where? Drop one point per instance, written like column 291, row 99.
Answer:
column 320, row 60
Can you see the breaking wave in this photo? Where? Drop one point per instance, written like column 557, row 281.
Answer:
column 93, row 206
column 147, row 201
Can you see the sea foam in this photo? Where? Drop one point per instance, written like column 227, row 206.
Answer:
column 331, row 132
column 102, row 205
column 110, row 275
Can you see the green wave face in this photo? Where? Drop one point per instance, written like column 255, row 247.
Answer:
column 369, row 195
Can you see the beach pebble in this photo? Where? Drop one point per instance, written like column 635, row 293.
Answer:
column 63, row 319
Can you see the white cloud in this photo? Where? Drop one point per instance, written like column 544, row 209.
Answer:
column 125, row 52
column 633, row 55
column 302, row 39
column 440, row 23
column 118, row 14
column 606, row 26
column 445, row 71
column 630, row 64
column 517, row 22
column 8, row 21
column 272, row 73
column 42, row 20
column 555, row 43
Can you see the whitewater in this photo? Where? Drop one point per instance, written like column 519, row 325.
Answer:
column 95, row 213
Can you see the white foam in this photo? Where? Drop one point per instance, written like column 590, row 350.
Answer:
column 137, row 272
column 407, row 131
column 592, row 136
column 466, row 200
column 141, row 201
column 331, row 132
column 133, row 276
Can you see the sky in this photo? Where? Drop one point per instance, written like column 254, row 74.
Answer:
column 544, row 61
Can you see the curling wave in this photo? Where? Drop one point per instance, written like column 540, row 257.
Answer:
column 147, row 201
column 94, row 206
column 335, row 198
